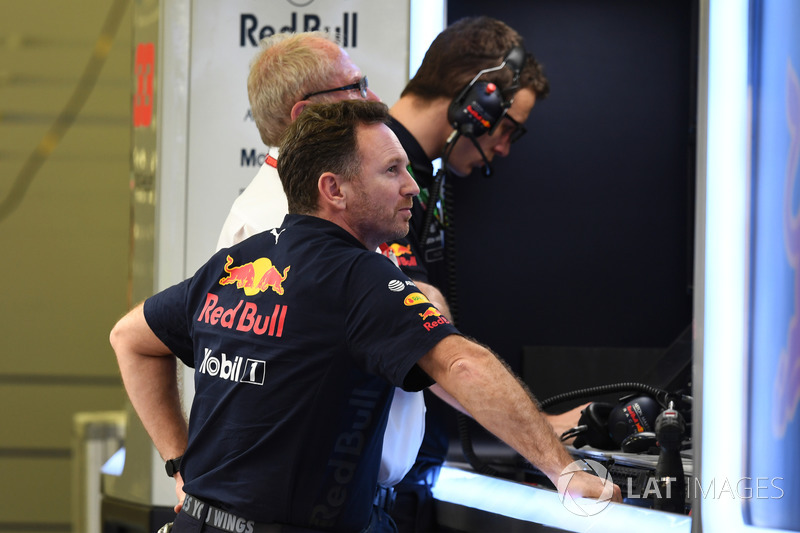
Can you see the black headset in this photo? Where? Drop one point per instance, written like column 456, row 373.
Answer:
column 610, row 427
column 481, row 105
column 478, row 108
column 629, row 425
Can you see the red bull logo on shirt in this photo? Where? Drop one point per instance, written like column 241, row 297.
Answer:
column 255, row 277
column 399, row 251
column 245, row 317
column 432, row 318
column 430, row 312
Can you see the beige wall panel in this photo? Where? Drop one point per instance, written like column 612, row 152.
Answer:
column 79, row 354
column 39, row 102
column 27, row 482
column 84, row 138
column 95, row 141
column 21, row 138
column 42, row 414
column 10, row 163
column 65, row 62
column 54, row 20
column 64, row 282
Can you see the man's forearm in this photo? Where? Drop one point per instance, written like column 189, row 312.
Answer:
column 149, row 374
column 498, row 401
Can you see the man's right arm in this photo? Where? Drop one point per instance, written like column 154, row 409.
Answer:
column 496, row 399
column 149, row 373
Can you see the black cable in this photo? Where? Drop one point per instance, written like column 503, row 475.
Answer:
column 434, row 191
column 430, row 208
column 449, row 207
column 487, row 166
column 574, row 432
column 448, row 220
column 462, row 420
column 663, row 397
column 660, row 395
column 472, row 458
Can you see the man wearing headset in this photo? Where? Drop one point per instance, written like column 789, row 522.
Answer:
column 431, row 122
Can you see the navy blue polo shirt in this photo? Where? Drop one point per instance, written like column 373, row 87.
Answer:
column 297, row 336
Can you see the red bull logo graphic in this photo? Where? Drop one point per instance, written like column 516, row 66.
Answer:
column 244, row 317
column 416, row 298
column 255, row 277
column 430, row 312
column 400, row 251
column 787, row 378
column 432, row 318
column 633, row 414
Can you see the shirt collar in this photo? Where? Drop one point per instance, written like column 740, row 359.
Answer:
column 420, row 163
column 320, row 224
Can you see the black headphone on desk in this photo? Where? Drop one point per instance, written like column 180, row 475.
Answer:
column 481, row 105
column 610, row 427
column 629, row 424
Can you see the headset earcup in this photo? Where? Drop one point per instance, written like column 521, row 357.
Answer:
column 480, row 105
column 454, row 112
column 477, row 109
column 595, row 418
column 634, row 414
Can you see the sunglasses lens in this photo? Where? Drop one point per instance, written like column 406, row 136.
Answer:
column 518, row 132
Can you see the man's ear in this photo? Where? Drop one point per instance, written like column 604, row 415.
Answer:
column 298, row 108
column 331, row 193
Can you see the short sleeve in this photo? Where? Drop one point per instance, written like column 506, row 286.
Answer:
column 391, row 324
column 166, row 315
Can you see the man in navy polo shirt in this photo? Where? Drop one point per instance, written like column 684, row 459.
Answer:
column 298, row 335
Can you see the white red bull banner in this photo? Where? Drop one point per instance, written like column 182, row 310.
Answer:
column 224, row 148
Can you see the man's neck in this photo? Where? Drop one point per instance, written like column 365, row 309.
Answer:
column 343, row 221
column 425, row 120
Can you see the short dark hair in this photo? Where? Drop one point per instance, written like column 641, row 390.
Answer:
column 323, row 139
column 466, row 47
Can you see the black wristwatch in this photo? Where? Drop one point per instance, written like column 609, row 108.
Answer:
column 173, row 466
